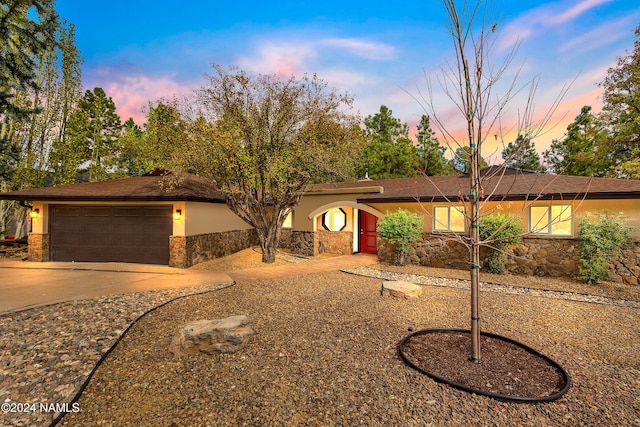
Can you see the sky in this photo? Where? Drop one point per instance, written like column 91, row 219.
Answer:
column 381, row 53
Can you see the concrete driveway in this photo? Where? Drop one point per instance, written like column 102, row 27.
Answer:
column 26, row 285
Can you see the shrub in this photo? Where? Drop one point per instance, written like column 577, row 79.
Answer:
column 602, row 238
column 401, row 228
column 500, row 231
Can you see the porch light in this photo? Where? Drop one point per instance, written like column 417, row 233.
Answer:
column 35, row 213
column 177, row 215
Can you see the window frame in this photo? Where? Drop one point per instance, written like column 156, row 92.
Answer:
column 437, row 223
column 550, row 221
column 324, row 216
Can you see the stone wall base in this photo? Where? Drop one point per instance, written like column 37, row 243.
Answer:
column 312, row 243
column 304, row 243
column 38, row 247
column 190, row 250
column 335, row 242
column 533, row 257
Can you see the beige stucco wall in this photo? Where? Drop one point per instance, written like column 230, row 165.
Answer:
column 205, row 218
column 312, row 202
column 628, row 208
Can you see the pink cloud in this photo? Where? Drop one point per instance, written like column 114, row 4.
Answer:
column 132, row 94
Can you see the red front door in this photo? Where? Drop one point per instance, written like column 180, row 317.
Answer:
column 368, row 235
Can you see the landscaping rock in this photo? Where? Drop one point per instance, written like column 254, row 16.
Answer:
column 212, row 336
column 400, row 289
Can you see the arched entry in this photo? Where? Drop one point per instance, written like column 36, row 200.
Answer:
column 365, row 239
column 368, row 237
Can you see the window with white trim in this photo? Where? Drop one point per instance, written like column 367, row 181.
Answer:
column 555, row 220
column 448, row 219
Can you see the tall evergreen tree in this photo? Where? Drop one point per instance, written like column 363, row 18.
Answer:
column 27, row 31
column 95, row 128
column 582, row 151
column 389, row 153
column 521, row 154
column 430, row 152
column 621, row 113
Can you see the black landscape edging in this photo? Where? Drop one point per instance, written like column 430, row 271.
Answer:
column 84, row 385
column 497, row 396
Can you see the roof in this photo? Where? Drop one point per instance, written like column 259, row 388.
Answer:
column 150, row 187
column 510, row 185
column 497, row 184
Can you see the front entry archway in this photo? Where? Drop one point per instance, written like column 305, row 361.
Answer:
column 368, row 240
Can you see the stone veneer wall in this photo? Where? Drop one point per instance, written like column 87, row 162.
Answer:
column 312, row 243
column 535, row 256
column 286, row 238
column 304, row 243
column 38, row 247
column 335, row 242
column 190, row 250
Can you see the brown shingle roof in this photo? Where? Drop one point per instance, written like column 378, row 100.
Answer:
column 513, row 185
column 140, row 188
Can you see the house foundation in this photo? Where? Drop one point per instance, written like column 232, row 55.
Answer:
column 38, row 250
column 185, row 251
column 533, row 257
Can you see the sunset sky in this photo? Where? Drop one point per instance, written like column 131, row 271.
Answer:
column 379, row 52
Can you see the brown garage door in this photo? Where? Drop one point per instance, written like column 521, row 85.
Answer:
column 110, row 233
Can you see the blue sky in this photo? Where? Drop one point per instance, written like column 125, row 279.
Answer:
column 380, row 53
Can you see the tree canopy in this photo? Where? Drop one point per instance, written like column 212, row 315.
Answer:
column 581, row 152
column 263, row 140
column 521, row 154
column 27, row 30
column 621, row 113
column 430, row 152
column 389, row 152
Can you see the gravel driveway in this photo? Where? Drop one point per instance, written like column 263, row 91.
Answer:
column 324, row 353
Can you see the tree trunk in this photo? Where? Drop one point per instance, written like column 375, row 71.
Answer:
column 269, row 240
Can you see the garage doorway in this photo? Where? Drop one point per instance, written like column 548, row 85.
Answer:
column 110, row 233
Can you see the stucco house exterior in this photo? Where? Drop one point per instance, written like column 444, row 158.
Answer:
column 136, row 220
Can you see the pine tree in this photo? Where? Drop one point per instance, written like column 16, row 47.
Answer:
column 581, row 152
column 430, row 152
column 389, row 153
column 521, row 154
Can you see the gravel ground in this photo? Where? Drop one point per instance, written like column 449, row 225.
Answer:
column 324, row 353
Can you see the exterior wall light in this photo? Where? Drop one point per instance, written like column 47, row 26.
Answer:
column 35, row 213
column 177, row 214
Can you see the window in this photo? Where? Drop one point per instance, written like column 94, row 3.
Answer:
column 335, row 219
column 448, row 218
column 288, row 221
column 551, row 220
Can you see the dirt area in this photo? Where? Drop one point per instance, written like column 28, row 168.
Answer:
column 248, row 258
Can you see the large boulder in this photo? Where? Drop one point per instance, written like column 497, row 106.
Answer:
column 400, row 289
column 212, row 336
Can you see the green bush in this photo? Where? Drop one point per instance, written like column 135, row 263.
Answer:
column 602, row 238
column 401, row 228
column 499, row 231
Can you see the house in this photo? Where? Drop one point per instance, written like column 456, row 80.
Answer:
column 139, row 219
column 136, row 220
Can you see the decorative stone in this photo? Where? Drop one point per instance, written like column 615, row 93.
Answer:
column 212, row 336
column 400, row 289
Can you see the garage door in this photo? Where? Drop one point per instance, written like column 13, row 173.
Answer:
column 110, row 233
